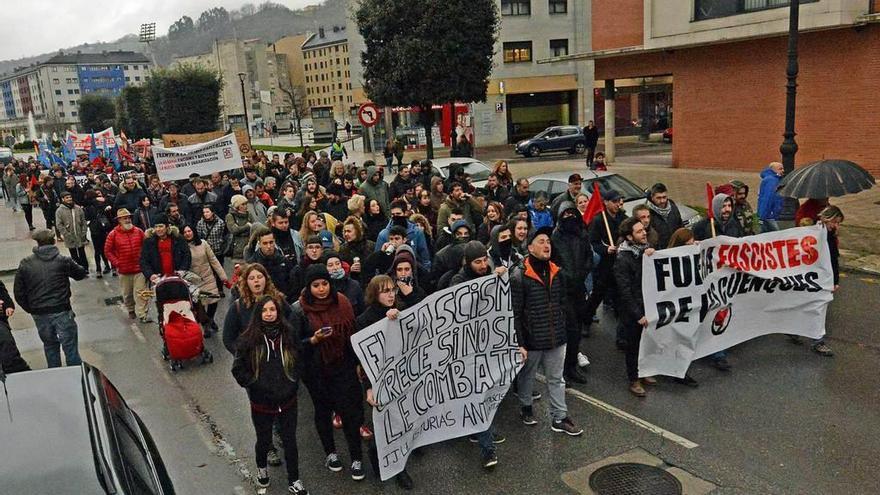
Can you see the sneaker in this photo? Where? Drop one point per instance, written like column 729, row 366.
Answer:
column 262, row 477
column 583, row 361
column 687, row 380
column 535, row 395
column 496, row 438
column 333, row 463
column 337, row 421
column 575, row 375
column 131, row 315
column 527, row 416
column 274, row 458
column 490, row 460
column 649, row 380
column 145, row 319
column 107, row 269
column 567, row 426
column 297, row 488
column 366, row 432
column 98, row 275
column 721, row 364
column 823, row 350
column 115, row 273
column 637, row 389
column 357, row 470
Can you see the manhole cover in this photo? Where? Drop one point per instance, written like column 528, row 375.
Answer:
column 633, row 479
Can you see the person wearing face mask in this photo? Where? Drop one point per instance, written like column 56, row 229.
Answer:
column 123, row 250
column 268, row 365
column 324, row 319
column 574, row 254
column 407, row 276
column 447, row 262
column 501, row 252
column 341, row 282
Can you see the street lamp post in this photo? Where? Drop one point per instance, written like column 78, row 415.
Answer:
column 247, row 126
column 789, row 146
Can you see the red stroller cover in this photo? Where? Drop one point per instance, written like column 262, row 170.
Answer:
column 183, row 337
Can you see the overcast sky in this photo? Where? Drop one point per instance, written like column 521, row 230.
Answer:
column 32, row 27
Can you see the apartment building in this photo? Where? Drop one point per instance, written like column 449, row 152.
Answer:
column 51, row 90
column 327, row 71
column 524, row 97
column 726, row 63
column 261, row 70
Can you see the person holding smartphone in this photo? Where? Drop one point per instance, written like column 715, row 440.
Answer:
column 325, row 321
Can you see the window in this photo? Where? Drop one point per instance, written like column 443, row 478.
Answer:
column 57, row 91
column 125, row 67
column 70, row 91
column 56, row 81
column 127, row 79
column 337, row 48
column 710, row 9
column 72, row 103
column 517, row 51
column 73, row 114
column 516, row 7
column 59, row 103
column 558, row 48
column 76, row 91
column 558, row 6
column 61, row 114
column 137, row 78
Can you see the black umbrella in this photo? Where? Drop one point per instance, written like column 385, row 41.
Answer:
column 825, row 179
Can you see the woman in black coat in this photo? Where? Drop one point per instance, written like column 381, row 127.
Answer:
column 98, row 215
column 144, row 217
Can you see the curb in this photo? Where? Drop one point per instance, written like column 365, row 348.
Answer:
column 859, row 269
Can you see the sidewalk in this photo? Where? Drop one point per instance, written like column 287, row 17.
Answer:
column 15, row 238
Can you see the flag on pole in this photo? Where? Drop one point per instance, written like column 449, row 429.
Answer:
column 710, row 194
column 93, row 150
column 42, row 156
column 595, row 206
column 115, row 156
column 69, row 151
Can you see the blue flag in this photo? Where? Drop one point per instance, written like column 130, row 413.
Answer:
column 93, row 151
column 106, row 151
column 43, row 155
column 115, row 156
column 69, row 151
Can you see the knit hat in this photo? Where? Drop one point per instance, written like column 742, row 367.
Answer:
column 474, row 250
column 316, row 271
column 328, row 255
column 314, row 239
column 542, row 231
column 326, row 238
column 738, row 184
column 246, row 188
column 161, row 218
column 238, row 200
column 610, row 195
column 404, row 253
column 356, row 202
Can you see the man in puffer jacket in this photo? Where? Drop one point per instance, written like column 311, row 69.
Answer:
column 164, row 251
column 123, row 250
column 42, row 288
column 538, row 296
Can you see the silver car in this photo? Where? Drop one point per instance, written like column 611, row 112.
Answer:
column 556, row 183
column 476, row 170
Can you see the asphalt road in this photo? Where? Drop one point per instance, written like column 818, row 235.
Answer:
column 784, row 420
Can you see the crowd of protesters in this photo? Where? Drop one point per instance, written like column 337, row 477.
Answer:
column 319, row 250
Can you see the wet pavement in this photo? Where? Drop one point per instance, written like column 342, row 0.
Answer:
column 784, row 420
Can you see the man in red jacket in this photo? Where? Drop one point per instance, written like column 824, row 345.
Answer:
column 123, row 249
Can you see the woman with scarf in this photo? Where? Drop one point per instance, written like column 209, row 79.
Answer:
column 382, row 302
column 268, row 365
column 325, row 321
column 205, row 264
column 238, row 222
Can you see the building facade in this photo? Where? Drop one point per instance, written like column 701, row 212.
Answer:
column 726, row 62
column 50, row 91
column 524, row 97
column 327, row 71
column 263, row 72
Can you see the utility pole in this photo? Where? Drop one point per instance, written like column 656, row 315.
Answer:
column 247, row 125
column 789, row 146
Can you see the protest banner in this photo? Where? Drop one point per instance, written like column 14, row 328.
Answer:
column 441, row 369
column 177, row 140
column 83, row 142
column 137, row 175
column 82, row 180
column 214, row 156
column 707, row 297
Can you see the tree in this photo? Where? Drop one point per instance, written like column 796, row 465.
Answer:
column 213, row 19
column 451, row 42
column 297, row 97
column 96, row 112
column 182, row 28
column 184, row 100
column 132, row 113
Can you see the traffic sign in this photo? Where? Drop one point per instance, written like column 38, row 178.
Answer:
column 368, row 114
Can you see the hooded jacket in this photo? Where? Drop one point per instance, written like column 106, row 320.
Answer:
column 129, row 199
column 731, row 228
column 270, row 391
column 420, row 276
column 414, row 237
column 71, row 224
column 151, row 262
column 572, row 250
column 42, row 282
column 449, row 258
column 239, row 225
column 379, row 191
column 255, row 207
column 500, row 256
column 769, row 201
column 123, row 249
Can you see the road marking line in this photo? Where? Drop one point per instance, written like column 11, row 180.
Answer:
column 684, row 442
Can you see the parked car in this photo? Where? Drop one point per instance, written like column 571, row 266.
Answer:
column 6, row 156
column 70, row 431
column 477, row 170
column 556, row 183
column 667, row 135
column 568, row 138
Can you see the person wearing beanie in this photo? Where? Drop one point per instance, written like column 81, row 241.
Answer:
column 336, row 203
column 573, row 252
column 324, row 319
column 312, row 252
column 447, row 261
column 42, row 288
column 238, row 222
column 539, row 298
column 604, row 288
column 379, row 261
column 342, row 283
column 407, row 276
column 476, row 263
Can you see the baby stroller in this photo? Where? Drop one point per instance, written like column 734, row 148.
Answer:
column 179, row 313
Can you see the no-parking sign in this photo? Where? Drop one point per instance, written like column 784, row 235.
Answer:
column 368, row 114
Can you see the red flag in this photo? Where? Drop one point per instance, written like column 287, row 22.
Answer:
column 710, row 193
column 595, row 206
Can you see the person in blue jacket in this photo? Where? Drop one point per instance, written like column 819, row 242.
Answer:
column 414, row 235
column 769, row 200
